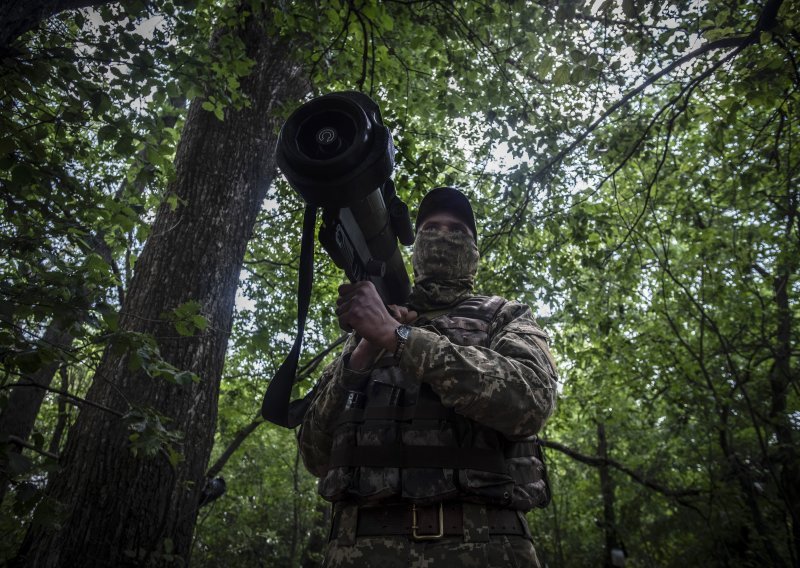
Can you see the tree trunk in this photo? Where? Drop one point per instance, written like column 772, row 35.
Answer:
column 607, row 491
column 781, row 378
column 19, row 416
column 125, row 510
column 24, row 402
column 63, row 413
column 315, row 545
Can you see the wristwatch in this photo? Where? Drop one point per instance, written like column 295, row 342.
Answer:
column 402, row 333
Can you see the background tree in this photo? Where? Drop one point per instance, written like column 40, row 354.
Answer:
column 137, row 385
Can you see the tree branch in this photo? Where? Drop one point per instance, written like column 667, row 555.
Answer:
column 766, row 20
column 238, row 439
column 20, row 442
column 243, row 433
column 724, row 43
column 20, row 16
column 595, row 461
column 72, row 397
column 364, row 53
column 309, row 367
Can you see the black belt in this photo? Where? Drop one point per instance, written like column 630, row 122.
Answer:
column 427, row 522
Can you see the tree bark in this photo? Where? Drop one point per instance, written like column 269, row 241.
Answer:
column 315, row 545
column 607, row 492
column 121, row 510
column 63, row 413
column 782, row 376
column 19, row 416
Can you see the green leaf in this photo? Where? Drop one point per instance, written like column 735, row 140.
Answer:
column 49, row 514
column 18, row 464
column 28, row 361
column 22, row 175
column 186, row 378
column 125, row 145
column 100, row 102
column 38, row 440
column 386, row 20
column 200, row 322
column 26, row 492
column 106, row 132
column 545, row 65
column 175, row 457
column 629, row 8
column 561, row 76
column 172, row 200
column 111, row 320
column 7, row 145
column 183, row 328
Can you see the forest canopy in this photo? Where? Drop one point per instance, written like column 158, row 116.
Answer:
column 634, row 169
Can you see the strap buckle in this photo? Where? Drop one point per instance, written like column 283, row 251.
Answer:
column 414, row 526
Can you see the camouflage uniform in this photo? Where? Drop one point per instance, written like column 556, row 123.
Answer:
column 499, row 381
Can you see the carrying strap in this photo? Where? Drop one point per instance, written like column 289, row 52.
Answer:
column 276, row 407
column 548, row 494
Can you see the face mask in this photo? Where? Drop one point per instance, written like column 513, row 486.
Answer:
column 445, row 256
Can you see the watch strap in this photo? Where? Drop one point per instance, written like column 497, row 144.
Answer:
column 402, row 333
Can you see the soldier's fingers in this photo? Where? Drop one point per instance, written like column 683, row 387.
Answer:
column 348, row 289
column 395, row 311
column 344, row 326
column 403, row 314
column 343, row 316
column 343, row 307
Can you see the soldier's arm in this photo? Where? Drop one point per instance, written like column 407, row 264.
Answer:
column 509, row 386
column 315, row 434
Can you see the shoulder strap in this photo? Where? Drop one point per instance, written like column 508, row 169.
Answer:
column 276, row 407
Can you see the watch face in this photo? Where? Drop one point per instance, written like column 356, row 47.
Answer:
column 403, row 332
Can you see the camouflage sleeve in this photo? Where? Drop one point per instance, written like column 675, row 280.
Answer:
column 509, row 386
column 315, row 434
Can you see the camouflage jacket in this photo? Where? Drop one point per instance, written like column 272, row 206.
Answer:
column 509, row 385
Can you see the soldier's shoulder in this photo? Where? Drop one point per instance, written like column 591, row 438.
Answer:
column 480, row 307
column 518, row 317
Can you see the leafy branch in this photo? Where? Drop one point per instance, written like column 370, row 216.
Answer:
column 766, row 21
column 242, row 434
column 76, row 399
column 596, row 461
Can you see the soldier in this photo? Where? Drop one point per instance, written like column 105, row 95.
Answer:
column 423, row 432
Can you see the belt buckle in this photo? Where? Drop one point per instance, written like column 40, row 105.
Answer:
column 414, row 526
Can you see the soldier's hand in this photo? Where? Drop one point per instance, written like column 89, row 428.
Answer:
column 360, row 308
column 366, row 352
column 402, row 313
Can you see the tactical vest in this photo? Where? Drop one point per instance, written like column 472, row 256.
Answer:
column 395, row 440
